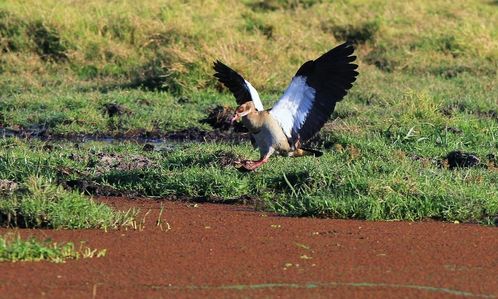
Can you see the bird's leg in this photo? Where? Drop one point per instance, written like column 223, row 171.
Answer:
column 250, row 165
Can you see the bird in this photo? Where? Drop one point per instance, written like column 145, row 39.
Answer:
column 302, row 110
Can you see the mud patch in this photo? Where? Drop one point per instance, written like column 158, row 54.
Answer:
column 195, row 134
column 90, row 187
column 460, row 107
column 148, row 147
column 492, row 162
column 7, row 186
column 104, row 162
column 101, row 164
column 427, row 162
column 458, row 159
column 492, row 114
column 219, row 118
column 226, row 159
column 138, row 135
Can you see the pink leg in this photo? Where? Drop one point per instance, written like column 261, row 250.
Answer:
column 252, row 165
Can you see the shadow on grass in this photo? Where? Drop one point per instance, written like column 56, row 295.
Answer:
column 273, row 5
column 358, row 34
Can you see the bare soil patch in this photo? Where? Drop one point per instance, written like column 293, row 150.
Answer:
column 234, row 251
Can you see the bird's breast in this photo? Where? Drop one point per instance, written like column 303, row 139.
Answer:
column 272, row 135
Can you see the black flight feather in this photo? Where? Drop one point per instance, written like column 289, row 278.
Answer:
column 233, row 81
column 331, row 76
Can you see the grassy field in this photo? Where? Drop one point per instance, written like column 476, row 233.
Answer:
column 428, row 85
column 352, row 179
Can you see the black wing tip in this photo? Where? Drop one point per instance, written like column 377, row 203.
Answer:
column 347, row 44
column 219, row 66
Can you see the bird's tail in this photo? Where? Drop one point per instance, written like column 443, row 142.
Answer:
column 300, row 152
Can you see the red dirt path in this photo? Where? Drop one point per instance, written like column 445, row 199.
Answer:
column 234, row 251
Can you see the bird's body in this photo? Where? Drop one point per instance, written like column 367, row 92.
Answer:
column 267, row 133
column 302, row 110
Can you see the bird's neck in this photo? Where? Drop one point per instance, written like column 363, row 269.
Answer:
column 254, row 121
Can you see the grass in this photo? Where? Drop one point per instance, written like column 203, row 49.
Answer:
column 172, row 45
column 428, row 85
column 384, row 178
column 15, row 249
column 42, row 204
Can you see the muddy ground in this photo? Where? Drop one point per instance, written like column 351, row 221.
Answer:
column 234, row 251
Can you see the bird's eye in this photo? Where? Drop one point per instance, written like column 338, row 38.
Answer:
column 240, row 109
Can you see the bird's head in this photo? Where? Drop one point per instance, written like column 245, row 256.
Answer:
column 243, row 110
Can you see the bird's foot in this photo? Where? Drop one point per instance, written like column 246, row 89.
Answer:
column 244, row 165
column 249, row 165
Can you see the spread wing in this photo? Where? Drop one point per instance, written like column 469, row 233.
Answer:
column 241, row 89
column 310, row 98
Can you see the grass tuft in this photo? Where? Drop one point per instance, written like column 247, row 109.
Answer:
column 41, row 204
column 48, row 42
column 15, row 249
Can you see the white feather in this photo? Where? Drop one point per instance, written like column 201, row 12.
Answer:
column 255, row 97
column 291, row 109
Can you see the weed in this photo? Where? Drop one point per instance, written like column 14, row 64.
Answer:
column 159, row 221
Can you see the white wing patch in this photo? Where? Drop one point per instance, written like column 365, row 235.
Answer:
column 255, row 97
column 291, row 109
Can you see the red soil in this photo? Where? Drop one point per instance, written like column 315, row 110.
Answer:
column 234, row 251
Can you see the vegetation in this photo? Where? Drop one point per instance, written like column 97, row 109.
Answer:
column 40, row 203
column 14, row 249
column 354, row 178
column 428, row 86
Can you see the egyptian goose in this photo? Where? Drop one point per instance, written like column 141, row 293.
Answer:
column 303, row 109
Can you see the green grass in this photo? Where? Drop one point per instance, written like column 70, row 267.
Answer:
column 15, row 249
column 173, row 44
column 380, row 178
column 42, row 204
column 428, row 85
